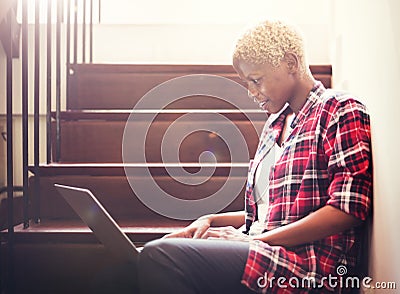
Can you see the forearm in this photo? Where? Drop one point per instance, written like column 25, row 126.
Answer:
column 235, row 219
column 326, row 221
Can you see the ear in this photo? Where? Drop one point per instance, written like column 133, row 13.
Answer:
column 292, row 62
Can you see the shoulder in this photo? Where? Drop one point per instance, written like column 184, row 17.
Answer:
column 339, row 106
column 341, row 101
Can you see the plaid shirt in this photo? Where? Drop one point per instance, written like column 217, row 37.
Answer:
column 326, row 161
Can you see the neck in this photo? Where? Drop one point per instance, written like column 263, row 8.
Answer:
column 301, row 92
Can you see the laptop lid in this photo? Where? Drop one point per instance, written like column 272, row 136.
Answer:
column 99, row 221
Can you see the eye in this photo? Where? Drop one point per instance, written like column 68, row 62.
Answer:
column 256, row 81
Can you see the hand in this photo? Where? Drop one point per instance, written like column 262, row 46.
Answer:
column 195, row 230
column 226, row 233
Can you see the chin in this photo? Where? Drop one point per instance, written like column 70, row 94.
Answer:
column 269, row 110
column 273, row 109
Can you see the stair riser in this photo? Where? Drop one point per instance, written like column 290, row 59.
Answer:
column 111, row 86
column 101, row 141
column 118, row 198
column 121, row 87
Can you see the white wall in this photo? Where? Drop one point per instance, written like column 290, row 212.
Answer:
column 367, row 62
column 211, row 11
column 187, row 43
column 196, row 32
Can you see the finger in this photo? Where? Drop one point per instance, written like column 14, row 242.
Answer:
column 200, row 232
column 179, row 234
column 213, row 233
column 171, row 235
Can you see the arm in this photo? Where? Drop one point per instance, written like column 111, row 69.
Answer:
column 347, row 145
column 325, row 222
column 235, row 219
column 201, row 225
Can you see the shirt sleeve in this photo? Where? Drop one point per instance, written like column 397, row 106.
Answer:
column 348, row 147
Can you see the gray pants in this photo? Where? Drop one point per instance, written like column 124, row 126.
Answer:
column 192, row 266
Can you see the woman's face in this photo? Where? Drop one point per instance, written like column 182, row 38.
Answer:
column 271, row 87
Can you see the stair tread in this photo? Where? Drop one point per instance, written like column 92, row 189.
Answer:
column 118, row 169
column 77, row 226
column 149, row 165
column 75, row 231
column 162, row 114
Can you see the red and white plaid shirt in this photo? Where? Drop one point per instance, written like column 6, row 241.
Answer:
column 326, row 160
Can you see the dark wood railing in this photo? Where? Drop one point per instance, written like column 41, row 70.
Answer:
column 10, row 31
column 53, row 79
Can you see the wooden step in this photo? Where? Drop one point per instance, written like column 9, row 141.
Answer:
column 118, row 169
column 97, row 136
column 115, row 193
column 112, row 86
column 160, row 114
column 120, row 86
column 65, row 256
column 76, row 232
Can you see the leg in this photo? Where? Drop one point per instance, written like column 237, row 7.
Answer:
column 192, row 266
column 119, row 278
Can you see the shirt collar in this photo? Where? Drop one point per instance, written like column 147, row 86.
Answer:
column 277, row 121
column 316, row 92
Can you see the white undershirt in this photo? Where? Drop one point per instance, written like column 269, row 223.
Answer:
column 261, row 187
column 261, row 181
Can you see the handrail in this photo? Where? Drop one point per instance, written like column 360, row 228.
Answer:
column 48, row 82
column 25, row 87
column 10, row 168
column 36, row 121
column 10, row 33
column 58, row 78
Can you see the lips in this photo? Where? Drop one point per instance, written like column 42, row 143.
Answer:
column 263, row 104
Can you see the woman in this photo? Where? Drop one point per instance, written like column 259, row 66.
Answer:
column 319, row 189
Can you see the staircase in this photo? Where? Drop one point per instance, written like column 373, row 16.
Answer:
column 60, row 254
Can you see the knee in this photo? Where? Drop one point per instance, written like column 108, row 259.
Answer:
column 155, row 252
column 156, row 267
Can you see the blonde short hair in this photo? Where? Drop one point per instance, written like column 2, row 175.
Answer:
column 268, row 42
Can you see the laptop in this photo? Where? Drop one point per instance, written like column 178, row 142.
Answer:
column 100, row 222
